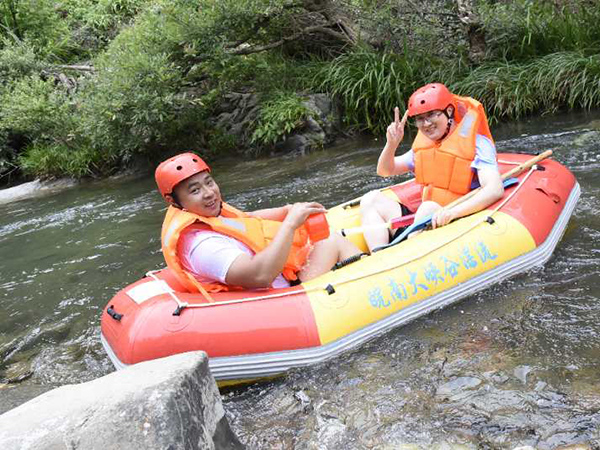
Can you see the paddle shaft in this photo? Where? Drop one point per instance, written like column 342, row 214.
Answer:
column 511, row 173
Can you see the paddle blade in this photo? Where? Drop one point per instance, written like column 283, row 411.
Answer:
column 403, row 221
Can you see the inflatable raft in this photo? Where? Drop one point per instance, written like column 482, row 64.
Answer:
column 256, row 334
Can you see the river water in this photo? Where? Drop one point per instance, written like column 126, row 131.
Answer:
column 518, row 364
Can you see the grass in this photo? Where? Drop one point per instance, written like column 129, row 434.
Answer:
column 546, row 84
column 370, row 85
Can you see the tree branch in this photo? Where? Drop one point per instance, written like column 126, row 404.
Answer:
column 262, row 22
column 261, row 48
column 77, row 67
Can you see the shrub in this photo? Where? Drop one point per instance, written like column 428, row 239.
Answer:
column 137, row 101
column 17, row 60
column 36, row 109
column 55, row 160
column 278, row 117
column 39, row 24
column 94, row 23
column 8, row 163
column 265, row 72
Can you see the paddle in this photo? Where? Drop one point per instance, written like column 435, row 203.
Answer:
column 403, row 221
column 507, row 178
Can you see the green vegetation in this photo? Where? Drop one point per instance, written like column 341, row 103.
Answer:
column 86, row 86
column 545, row 84
column 279, row 116
column 370, row 85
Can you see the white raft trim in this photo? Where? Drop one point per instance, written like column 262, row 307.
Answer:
column 275, row 363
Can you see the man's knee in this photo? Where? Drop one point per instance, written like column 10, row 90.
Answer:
column 428, row 207
column 369, row 200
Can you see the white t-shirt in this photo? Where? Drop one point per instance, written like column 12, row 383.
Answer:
column 208, row 255
column 485, row 155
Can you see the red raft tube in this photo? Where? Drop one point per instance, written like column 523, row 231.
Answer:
column 250, row 335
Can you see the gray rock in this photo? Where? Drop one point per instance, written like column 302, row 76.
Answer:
column 298, row 143
column 170, row 403
column 239, row 111
column 458, row 385
column 34, row 188
column 521, row 373
column 322, row 103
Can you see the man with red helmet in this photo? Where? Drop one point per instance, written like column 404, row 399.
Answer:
column 453, row 150
column 211, row 246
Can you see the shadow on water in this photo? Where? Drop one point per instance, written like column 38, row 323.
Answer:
column 516, row 365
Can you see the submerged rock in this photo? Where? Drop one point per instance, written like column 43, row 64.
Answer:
column 169, row 403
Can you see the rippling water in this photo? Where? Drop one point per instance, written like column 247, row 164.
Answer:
column 516, row 365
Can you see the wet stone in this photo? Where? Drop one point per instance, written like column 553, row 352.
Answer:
column 330, row 431
column 496, row 377
column 586, row 139
column 304, row 400
column 458, row 385
column 521, row 373
column 583, row 446
column 138, row 407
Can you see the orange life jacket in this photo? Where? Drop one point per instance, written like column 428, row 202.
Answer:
column 444, row 168
column 254, row 232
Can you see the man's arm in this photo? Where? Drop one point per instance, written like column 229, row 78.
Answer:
column 491, row 191
column 259, row 270
column 277, row 214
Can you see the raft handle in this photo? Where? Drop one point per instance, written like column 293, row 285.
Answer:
column 330, row 289
column 540, row 168
column 114, row 314
column 490, row 220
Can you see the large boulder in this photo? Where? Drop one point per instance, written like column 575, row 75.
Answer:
column 238, row 111
column 170, row 403
column 317, row 131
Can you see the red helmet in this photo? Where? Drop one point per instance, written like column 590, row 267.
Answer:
column 176, row 169
column 430, row 97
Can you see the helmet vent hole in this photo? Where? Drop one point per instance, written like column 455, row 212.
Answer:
column 422, row 102
column 194, row 159
column 179, row 167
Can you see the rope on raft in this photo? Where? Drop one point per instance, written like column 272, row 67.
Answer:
column 330, row 287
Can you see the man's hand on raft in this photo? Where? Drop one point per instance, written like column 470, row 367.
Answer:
column 299, row 212
column 442, row 217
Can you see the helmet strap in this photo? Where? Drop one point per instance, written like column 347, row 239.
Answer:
column 450, row 118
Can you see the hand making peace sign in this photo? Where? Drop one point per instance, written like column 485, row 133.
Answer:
column 395, row 131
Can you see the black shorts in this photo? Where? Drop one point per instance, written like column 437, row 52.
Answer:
column 399, row 231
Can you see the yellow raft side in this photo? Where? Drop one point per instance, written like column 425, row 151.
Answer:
column 400, row 276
